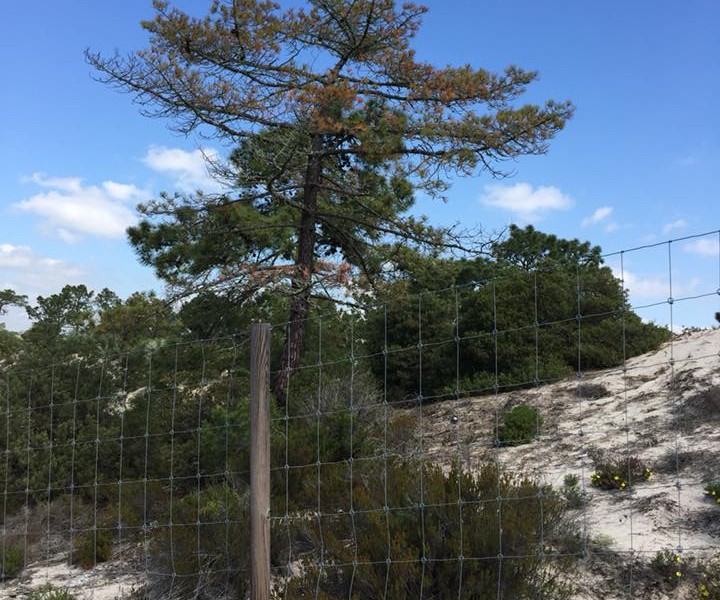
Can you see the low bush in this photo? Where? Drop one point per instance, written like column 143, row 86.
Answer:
column 13, row 561
column 574, row 495
column 708, row 586
column 410, row 543
column 619, row 474
column 92, row 547
column 201, row 543
column 51, row 593
column 712, row 490
column 520, row 426
column 668, row 565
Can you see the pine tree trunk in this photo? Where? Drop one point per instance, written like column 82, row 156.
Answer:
column 301, row 284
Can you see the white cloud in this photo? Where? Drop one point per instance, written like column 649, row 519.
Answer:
column 70, row 208
column 703, row 247
column 599, row 215
column 655, row 287
column 25, row 271
column 22, row 263
column 189, row 169
column 122, row 191
column 645, row 287
column 612, row 226
column 70, row 185
column 524, row 200
column 678, row 224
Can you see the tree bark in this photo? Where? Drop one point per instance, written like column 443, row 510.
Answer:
column 301, row 284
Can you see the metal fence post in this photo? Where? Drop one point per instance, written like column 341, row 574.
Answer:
column 260, row 462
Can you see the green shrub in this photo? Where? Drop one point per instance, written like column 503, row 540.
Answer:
column 93, row 547
column 572, row 492
column 520, row 425
column 13, row 561
column 708, row 588
column 712, row 490
column 411, row 544
column 668, row 565
column 619, row 474
column 202, row 544
column 50, row 593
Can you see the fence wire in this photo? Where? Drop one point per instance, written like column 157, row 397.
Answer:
column 498, row 439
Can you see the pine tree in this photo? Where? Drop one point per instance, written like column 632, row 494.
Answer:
column 337, row 124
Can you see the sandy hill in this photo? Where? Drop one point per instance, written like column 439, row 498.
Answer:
column 662, row 407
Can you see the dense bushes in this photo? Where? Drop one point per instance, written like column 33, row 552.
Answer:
column 539, row 309
column 200, row 543
column 436, row 535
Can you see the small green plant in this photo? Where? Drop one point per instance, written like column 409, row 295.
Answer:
column 51, row 593
column 620, row 474
column 12, row 561
column 93, row 547
column 708, row 588
column 712, row 490
column 572, row 492
column 520, row 426
column 669, row 565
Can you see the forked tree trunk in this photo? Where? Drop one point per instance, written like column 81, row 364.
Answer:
column 301, row 285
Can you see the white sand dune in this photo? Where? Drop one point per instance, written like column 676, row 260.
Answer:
column 662, row 407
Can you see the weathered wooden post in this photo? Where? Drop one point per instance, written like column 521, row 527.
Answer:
column 260, row 462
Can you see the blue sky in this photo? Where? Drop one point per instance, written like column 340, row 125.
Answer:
column 638, row 163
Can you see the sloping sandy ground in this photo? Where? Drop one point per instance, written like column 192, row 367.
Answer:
column 108, row 581
column 662, row 407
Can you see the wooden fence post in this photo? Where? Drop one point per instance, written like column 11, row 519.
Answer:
column 260, row 462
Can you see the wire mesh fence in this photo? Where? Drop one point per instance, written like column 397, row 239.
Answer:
column 528, row 436
column 136, row 456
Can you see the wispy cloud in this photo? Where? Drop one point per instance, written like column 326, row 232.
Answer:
column 654, row 287
column 703, row 247
column 188, row 169
column 71, row 209
column 611, row 226
column 645, row 287
column 22, row 263
column 601, row 214
column 673, row 225
column 524, row 200
column 27, row 272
